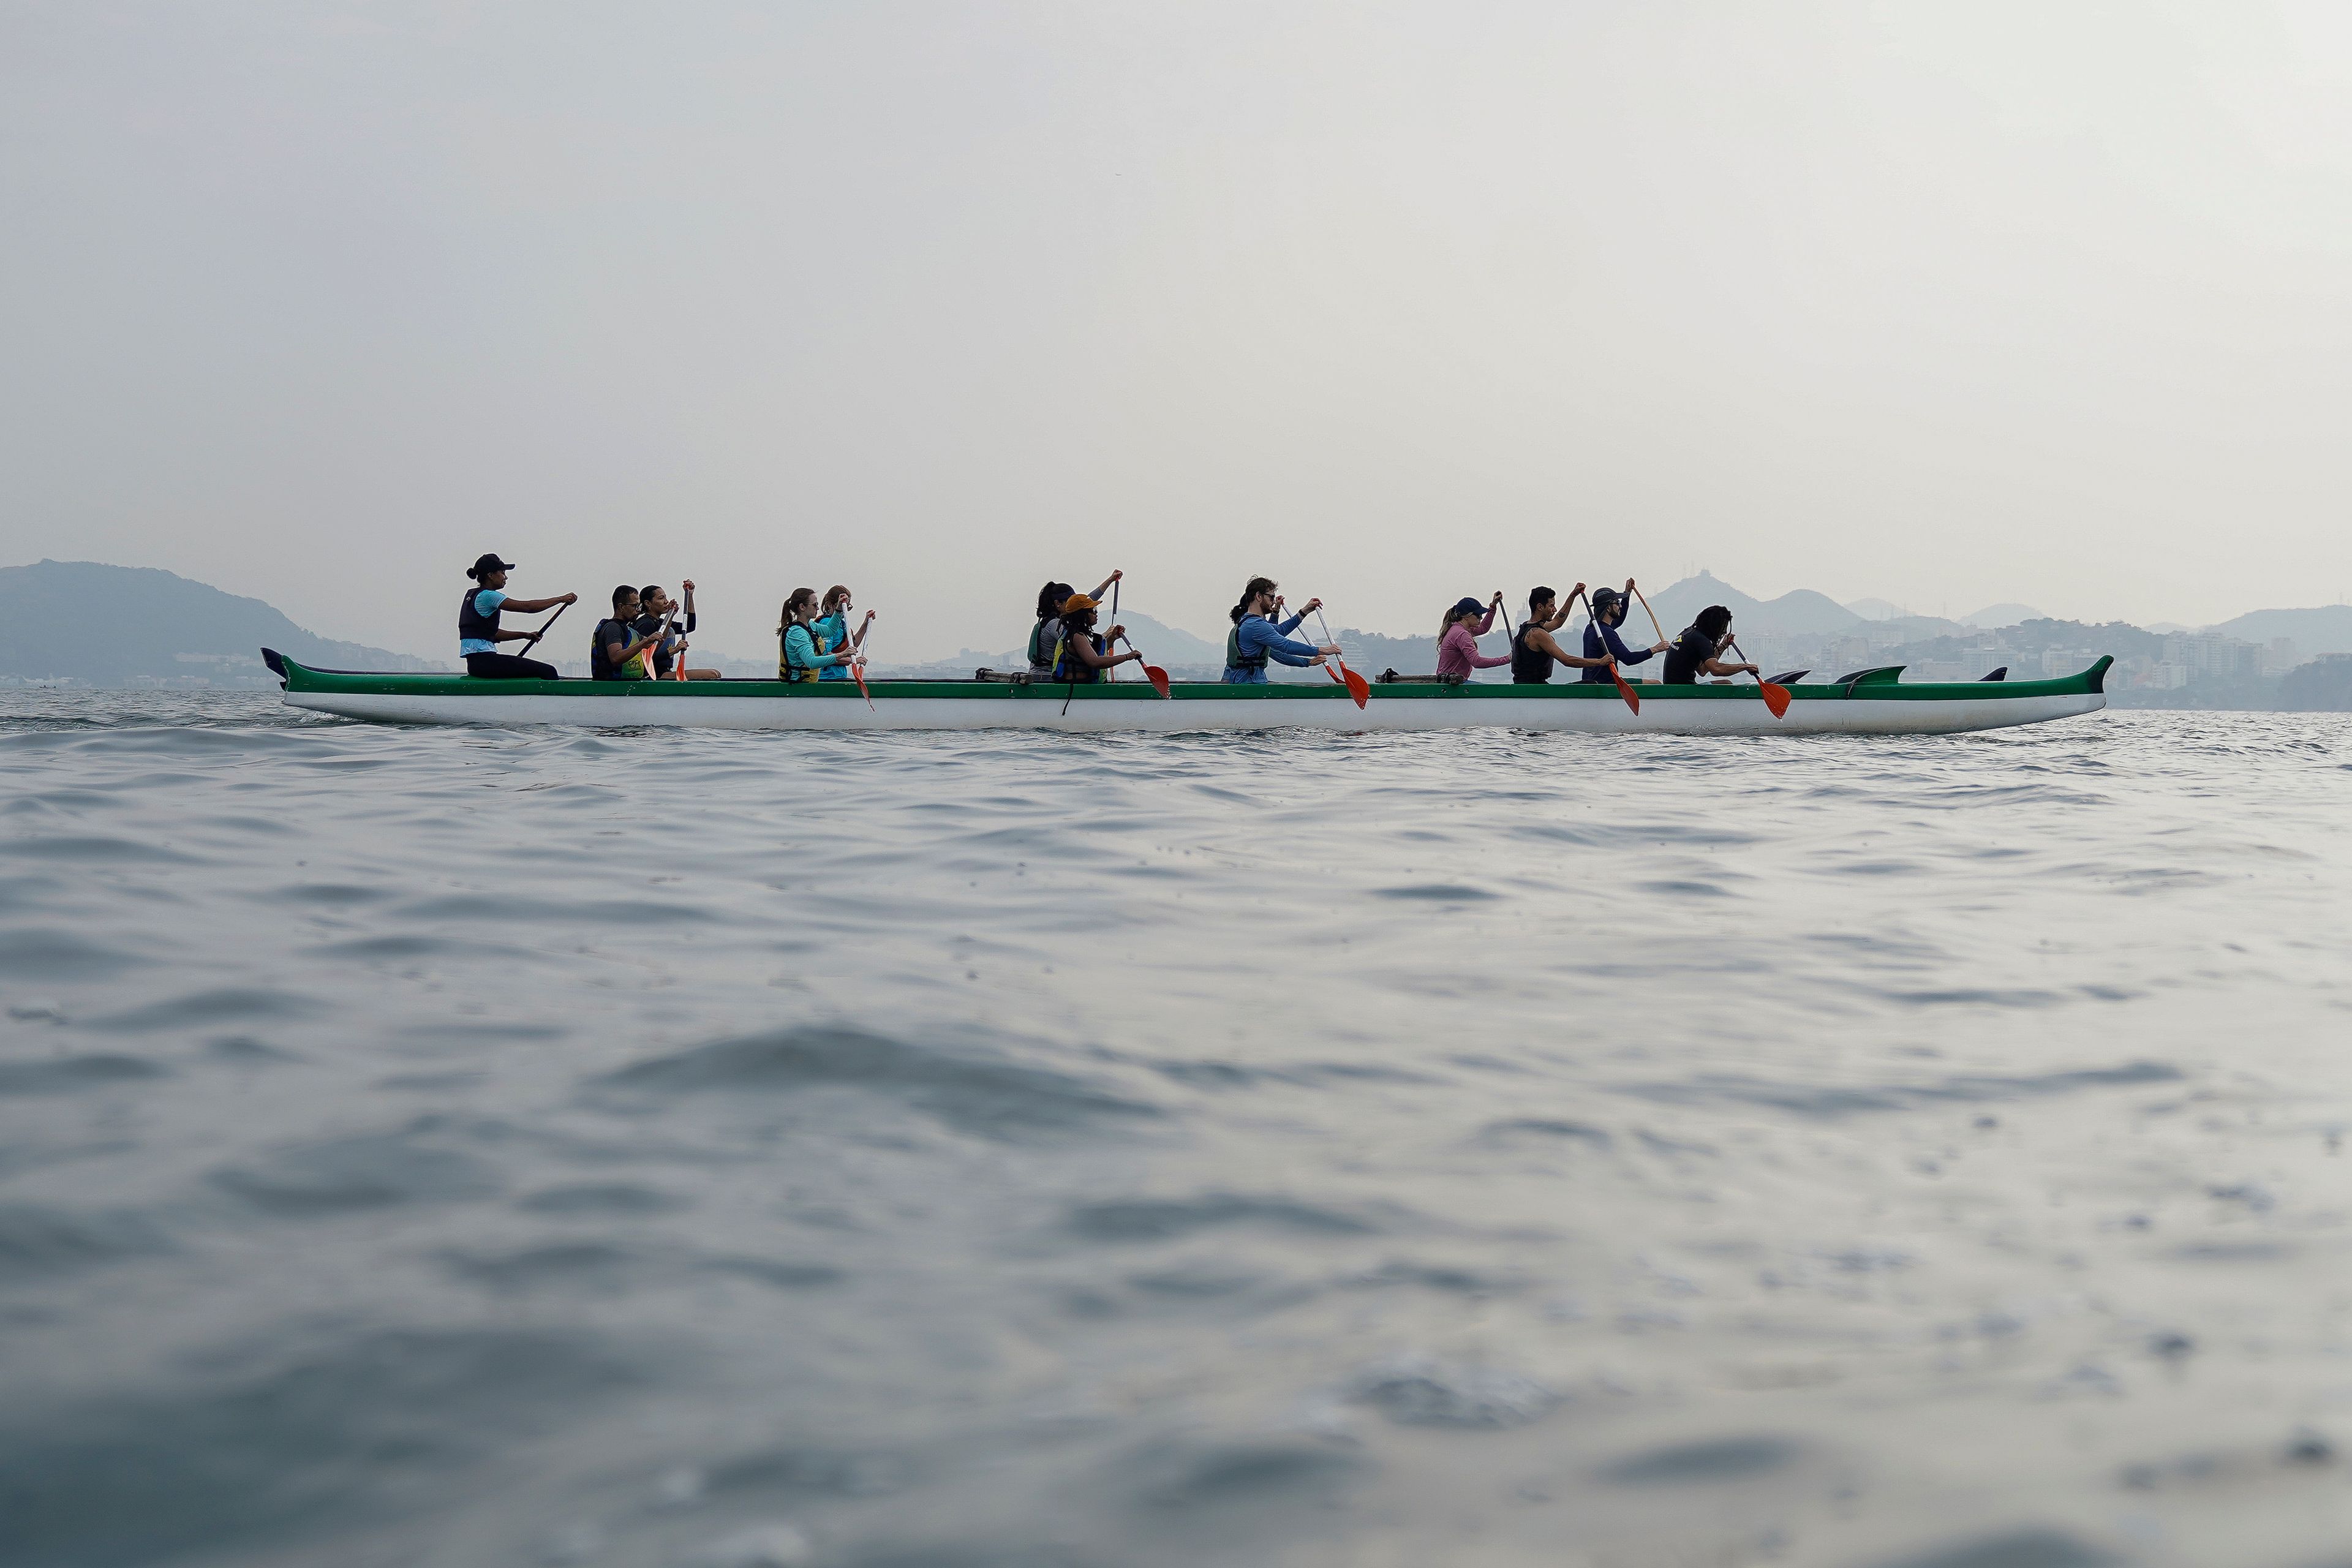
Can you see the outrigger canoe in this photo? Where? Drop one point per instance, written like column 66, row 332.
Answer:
column 1868, row 702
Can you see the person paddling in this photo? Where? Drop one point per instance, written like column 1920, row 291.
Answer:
column 799, row 656
column 1457, row 640
column 1534, row 650
column 1080, row 656
column 619, row 651
column 1257, row 638
column 1695, row 652
column 1600, row 636
column 833, row 633
column 479, row 633
column 654, row 607
column 1047, row 633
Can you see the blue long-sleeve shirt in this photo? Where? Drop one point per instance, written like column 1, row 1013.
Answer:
column 1593, row 634
column 1261, row 639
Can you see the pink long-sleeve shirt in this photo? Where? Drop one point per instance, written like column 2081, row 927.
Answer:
column 1457, row 650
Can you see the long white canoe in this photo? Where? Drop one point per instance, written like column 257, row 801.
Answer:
column 1871, row 702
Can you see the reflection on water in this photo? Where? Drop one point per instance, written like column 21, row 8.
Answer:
column 473, row 1147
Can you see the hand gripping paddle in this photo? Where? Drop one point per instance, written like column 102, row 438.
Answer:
column 1358, row 687
column 1776, row 698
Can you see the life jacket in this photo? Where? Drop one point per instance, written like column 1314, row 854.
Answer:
column 600, row 668
column 785, row 668
column 1044, row 639
column 1234, row 658
column 1529, row 666
column 475, row 626
column 1068, row 667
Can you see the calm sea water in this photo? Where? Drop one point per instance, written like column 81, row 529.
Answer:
column 461, row 1148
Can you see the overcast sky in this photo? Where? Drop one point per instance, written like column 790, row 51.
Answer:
column 1944, row 303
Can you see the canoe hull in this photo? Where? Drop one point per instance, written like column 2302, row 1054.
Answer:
column 1884, row 709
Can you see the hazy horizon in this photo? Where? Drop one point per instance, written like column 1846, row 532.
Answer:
column 315, row 303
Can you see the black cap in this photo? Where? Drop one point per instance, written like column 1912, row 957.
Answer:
column 487, row 564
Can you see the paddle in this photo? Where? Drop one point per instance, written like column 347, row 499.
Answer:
column 1151, row 672
column 1358, row 687
column 1652, row 613
column 1776, row 698
column 1622, row 689
column 856, row 662
column 533, row 641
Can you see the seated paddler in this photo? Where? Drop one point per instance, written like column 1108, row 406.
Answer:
column 1697, row 652
column 479, row 634
column 619, row 651
column 799, row 656
column 653, row 606
column 1457, row 637
column 1534, row 650
column 1047, row 633
column 1082, row 653
column 833, row 633
column 1609, row 606
column 1258, row 637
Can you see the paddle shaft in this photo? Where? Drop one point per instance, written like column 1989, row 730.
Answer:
column 1647, row 611
column 532, row 641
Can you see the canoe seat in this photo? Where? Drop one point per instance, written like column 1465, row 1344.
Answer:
column 1789, row 677
column 2001, row 674
column 1882, row 674
column 1004, row 677
column 1390, row 676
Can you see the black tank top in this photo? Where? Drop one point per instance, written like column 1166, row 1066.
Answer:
column 1529, row 666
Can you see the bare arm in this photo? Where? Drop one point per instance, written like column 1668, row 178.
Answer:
column 1544, row 641
column 1717, row 667
column 532, row 606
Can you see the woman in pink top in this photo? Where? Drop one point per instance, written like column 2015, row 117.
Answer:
column 1457, row 639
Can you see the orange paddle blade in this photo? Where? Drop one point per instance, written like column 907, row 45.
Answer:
column 1776, row 698
column 860, row 675
column 1358, row 687
column 1624, row 691
column 1158, row 677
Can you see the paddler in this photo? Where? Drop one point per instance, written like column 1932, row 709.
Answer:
column 1257, row 638
column 1695, row 652
column 1047, row 633
column 654, row 607
column 798, row 655
column 619, row 651
column 833, row 633
column 1457, row 640
column 478, row 633
column 1534, row 650
column 1600, row 636
column 1080, row 656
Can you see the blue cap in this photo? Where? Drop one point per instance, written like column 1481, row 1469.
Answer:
column 1468, row 607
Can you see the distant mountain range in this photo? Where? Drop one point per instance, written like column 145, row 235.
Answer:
column 1990, row 618
column 88, row 623
column 81, row 622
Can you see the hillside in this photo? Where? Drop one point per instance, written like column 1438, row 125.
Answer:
column 82, row 623
column 2327, row 629
column 1795, row 613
